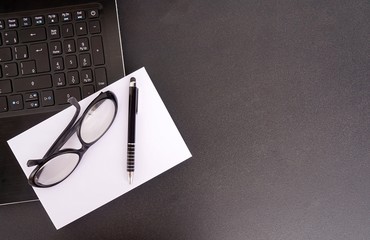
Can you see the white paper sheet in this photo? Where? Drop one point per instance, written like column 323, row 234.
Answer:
column 101, row 176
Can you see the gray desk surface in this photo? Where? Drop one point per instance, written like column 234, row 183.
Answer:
column 273, row 100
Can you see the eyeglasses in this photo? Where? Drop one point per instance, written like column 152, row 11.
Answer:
column 58, row 164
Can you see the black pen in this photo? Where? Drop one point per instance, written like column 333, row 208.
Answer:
column 132, row 110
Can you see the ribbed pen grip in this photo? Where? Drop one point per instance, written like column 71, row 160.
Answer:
column 130, row 157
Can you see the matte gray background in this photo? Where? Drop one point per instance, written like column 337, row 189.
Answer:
column 272, row 98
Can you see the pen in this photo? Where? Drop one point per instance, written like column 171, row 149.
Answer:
column 132, row 110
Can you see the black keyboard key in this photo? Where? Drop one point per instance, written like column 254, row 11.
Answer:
column 86, row 76
column 80, row 15
column 15, row 102
column 39, row 20
column 85, row 60
column 66, row 17
column 32, row 83
column 39, row 53
column 32, row 34
column 32, row 104
column 56, row 48
column 57, row 64
column 5, row 86
column 52, row 18
column 47, row 98
column 87, row 90
column 32, row 96
column 71, row 62
column 97, row 50
column 93, row 13
column 83, row 44
column 2, row 24
column 5, row 54
column 67, row 30
column 10, row 69
column 53, row 32
column 28, row 67
column 3, row 104
column 100, row 78
column 69, row 46
column 26, row 22
column 59, row 79
column 10, row 37
column 94, row 27
column 1, row 40
column 20, row 52
column 81, row 28
column 12, row 23
column 72, row 78
column 62, row 95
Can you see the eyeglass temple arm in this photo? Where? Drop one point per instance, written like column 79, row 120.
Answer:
column 34, row 162
column 67, row 132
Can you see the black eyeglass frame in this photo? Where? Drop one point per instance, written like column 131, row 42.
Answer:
column 72, row 127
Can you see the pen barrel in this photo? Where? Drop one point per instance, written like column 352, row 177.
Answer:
column 130, row 157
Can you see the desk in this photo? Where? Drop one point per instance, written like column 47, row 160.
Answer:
column 273, row 101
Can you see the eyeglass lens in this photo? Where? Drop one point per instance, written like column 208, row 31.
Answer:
column 57, row 169
column 97, row 120
column 94, row 124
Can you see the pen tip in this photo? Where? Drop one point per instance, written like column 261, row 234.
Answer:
column 130, row 177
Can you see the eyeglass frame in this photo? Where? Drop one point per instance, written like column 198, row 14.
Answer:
column 72, row 127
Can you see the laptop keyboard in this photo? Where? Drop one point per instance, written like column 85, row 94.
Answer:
column 47, row 57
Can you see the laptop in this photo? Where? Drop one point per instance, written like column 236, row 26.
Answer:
column 50, row 51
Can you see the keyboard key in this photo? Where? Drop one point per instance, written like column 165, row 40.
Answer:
column 5, row 54
column 32, row 96
column 59, row 79
column 3, row 104
column 53, row 32
column 67, row 30
column 80, row 15
column 97, row 50
column 85, row 60
column 81, row 28
column 101, row 78
column 86, row 76
column 57, row 64
column 52, row 18
column 5, row 86
column 39, row 20
column 12, row 23
column 47, row 98
column 20, row 52
column 10, row 37
column 56, row 48
column 69, row 46
column 32, row 104
column 26, row 22
column 72, row 78
column 15, row 102
column 66, row 17
column 83, row 44
column 32, row 83
column 94, row 27
column 71, row 61
column 2, row 24
column 39, row 53
column 28, row 67
column 87, row 90
column 62, row 95
column 10, row 69
column 93, row 13
column 32, row 34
